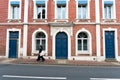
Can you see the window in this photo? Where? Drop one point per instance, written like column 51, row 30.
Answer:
column 82, row 11
column 40, row 11
column 82, row 41
column 14, row 10
column 40, row 39
column 108, row 11
column 61, row 11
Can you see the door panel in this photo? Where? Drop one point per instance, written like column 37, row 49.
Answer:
column 109, row 44
column 61, row 46
column 13, row 44
column 13, row 48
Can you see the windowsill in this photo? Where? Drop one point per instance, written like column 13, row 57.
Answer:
column 14, row 20
column 83, row 20
column 83, row 53
column 39, row 20
column 108, row 20
column 61, row 20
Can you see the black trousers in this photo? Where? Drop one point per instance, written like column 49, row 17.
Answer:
column 40, row 58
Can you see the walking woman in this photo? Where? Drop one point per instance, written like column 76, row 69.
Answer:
column 40, row 56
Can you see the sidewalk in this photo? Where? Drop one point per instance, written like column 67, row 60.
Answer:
column 58, row 62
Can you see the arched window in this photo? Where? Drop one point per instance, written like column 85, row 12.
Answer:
column 40, row 39
column 82, row 41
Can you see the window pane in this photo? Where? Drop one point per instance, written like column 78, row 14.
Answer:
column 107, row 11
column 37, row 44
column 79, row 12
column 59, row 12
column 40, row 35
column 82, row 35
column 43, row 14
column 63, row 12
column 84, row 44
column 39, row 12
column 15, row 13
column 79, row 45
column 84, row 12
column 43, row 44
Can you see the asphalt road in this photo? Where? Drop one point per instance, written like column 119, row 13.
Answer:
column 57, row 72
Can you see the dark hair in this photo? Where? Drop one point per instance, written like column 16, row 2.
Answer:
column 41, row 46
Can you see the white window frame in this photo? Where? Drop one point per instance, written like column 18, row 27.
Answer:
column 35, row 10
column 61, row 9
column 66, row 16
column 41, row 8
column 113, row 10
column 87, row 10
column 10, row 13
column 89, row 44
column 34, row 51
column 81, row 12
column 40, row 39
column 82, row 43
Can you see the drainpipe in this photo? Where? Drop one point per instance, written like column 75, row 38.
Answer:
column 98, row 46
column 25, row 28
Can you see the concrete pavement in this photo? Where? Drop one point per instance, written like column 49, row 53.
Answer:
column 58, row 62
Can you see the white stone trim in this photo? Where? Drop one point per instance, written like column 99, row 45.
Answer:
column 98, row 46
column 25, row 29
column 116, row 42
column 89, row 42
column 33, row 41
column 7, row 42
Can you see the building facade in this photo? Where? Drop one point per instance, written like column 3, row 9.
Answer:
column 67, row 29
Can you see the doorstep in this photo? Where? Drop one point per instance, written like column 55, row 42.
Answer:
column 62, row 61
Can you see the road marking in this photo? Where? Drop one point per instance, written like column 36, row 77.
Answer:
column 104, row 79
column 33, row 77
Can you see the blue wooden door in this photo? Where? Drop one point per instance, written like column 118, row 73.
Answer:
column 61, row 46
column 109, row 44
column 13, row 44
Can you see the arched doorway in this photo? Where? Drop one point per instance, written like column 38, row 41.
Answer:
column 61, row 46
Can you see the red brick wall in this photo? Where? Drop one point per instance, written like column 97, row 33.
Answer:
column 3, row 10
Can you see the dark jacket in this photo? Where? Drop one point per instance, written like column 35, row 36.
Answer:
column 40, row 49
